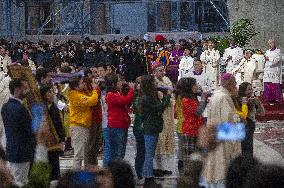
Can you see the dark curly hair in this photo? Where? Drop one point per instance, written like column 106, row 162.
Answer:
column 184, row 87
column 111, row 80
column 148, row 86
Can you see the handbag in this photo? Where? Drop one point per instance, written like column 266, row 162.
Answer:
column 207, row 137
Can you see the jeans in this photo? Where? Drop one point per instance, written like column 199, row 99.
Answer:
column 247, row 143
column 140, row 151
column 150, row 147
column 118, row 140
column 107, row 151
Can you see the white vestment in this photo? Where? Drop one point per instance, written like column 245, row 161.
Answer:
column 236, row 54
column 185, row 65
column 4, row 63
column 203, row 80
column 211, row 60
column 220, row 109
column 245, row 71
column 4, row 97
column 272, row 69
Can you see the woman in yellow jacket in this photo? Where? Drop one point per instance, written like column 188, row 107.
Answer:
column 81, row 111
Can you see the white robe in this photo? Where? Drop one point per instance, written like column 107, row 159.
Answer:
column 272, row 69
column 237, row 55
column 211, row 60
column 5, row 62
column 4, row 96
column 260, row 65
column 245, row 71
column 220, row 109
column 203, row 80
column 185, row 65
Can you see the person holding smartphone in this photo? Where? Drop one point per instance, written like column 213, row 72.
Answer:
column 254, row 108
column 192, row 110
column 152, row 109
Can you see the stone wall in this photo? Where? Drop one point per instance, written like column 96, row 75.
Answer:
column 12, row 21
column 268, row 17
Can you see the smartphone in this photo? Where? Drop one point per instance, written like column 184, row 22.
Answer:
column 231, row 132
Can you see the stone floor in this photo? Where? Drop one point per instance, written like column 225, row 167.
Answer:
column 268, row 144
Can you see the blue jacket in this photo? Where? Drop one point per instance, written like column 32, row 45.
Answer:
column 21, row 140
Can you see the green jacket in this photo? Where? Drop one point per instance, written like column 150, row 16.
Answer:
column 138, row 117
column 152, row 114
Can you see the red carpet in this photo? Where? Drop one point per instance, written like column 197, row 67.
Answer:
column 273, row 111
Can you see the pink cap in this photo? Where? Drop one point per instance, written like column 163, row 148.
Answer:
column 226, row 76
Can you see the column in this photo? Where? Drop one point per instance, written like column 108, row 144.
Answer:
column 164, row 16
column 98, row 19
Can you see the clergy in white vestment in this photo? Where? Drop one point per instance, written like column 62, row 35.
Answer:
column 210, row 58
column 5, row 60
column 232, row 55
column 272, row 77
column 246, row 70
column 260, row 59
column 221, row 109
column 203, row 80
column 186, row 64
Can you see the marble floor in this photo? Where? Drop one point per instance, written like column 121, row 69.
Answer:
column 268, row 144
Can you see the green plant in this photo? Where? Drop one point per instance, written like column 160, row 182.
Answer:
column 221, row 43
column 244, row 31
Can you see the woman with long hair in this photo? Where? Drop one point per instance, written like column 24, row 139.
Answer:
column 138, row 131
column 118, row 120
column 192, row 115
column 151, row 108
column 254, row 108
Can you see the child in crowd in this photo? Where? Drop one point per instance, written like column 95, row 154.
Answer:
column 151, row 108
column 118, row 120
column 192, row 110
column 138, row 132
column 48, row 95
column 254, row 108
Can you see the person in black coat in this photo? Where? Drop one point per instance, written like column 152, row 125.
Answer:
column 20, row 139
column 48, row 94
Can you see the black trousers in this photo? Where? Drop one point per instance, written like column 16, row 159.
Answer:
column 247, row 143
column 53, row 158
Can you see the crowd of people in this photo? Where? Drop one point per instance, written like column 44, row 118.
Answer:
column 88, row 111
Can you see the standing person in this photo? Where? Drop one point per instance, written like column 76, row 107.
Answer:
column 4, row 97
column 192, row 110
column 210, row 58
column 203, row 79
column 186, row 63
column 5, row 60
column 221, row 109
column 81, row 113
column 246, row 70
column 138, row 131
column 254, row 108
column 152, row 109
column 166, row 143
column 20, row 140
column 48, row 95
column 117, row 115
column 272, row 74
column 232, row 55
column 175, row 57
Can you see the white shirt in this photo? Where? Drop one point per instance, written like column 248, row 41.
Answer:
column 186, row 64
column 272, row 69
column 237, row 55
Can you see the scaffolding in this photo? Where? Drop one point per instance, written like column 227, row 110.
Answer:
column 76, row 17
